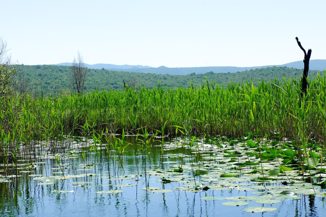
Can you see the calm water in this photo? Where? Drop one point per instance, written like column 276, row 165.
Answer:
column 139, row 183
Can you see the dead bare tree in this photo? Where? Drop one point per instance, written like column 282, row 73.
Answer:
column 79, row 72
column 304, row 80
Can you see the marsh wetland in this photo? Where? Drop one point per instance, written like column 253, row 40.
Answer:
column 243, row 150
column 167, row 109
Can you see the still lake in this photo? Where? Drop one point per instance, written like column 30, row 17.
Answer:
column 178, row 179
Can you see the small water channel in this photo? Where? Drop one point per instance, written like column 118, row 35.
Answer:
column 178, row 179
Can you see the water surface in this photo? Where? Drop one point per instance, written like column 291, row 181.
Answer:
column 176, row 181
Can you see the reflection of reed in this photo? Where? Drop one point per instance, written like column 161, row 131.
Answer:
column 165, row 206
column 131, row 172
column 8, row 202
column 177, row 197
column 136, row 165
column 302, row 208
column 312, row 207
column 11, row 195
column 193, row 205
column 137, row 200
column 146, row 180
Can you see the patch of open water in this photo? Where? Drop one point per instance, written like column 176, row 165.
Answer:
column 175, row 180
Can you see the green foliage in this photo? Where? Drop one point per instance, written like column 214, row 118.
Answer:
column 284, row 168
column 279, row 170
column 6, row 74
column 200, row 172
column 229, row 175
column 49, row 80
column 178, row 170
column 252, row 144
column 268, row 109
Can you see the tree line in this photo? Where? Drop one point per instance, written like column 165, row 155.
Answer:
column 45, row 80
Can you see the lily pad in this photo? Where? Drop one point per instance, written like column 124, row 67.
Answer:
column 200, row 172
column 241, row 198
column 211, row 198
column 260, row 209
column 109, row 192
column 157, row 190
column 3, row 180
column 229, row 175
column 267, row 200
column 235, row 203
column 62, row 191
column 126, row 185
column 81, row 184
column 178, row 170
column 305, row 191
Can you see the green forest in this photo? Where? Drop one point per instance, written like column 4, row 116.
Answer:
column 55, row 80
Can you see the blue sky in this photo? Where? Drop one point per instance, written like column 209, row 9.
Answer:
column 163, row 32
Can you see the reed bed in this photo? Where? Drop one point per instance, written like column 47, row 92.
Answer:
column 271, row 110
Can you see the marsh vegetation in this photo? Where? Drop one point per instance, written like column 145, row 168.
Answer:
column 242, row 145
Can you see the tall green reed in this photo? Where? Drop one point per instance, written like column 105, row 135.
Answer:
column 264, row 110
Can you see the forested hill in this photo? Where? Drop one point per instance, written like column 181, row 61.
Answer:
column 315, row 64
column 54, row 79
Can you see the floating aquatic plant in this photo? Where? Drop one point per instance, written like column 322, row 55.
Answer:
column 260, row 209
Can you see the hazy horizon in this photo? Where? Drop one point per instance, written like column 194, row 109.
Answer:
column 149, row 66
column 163, row 33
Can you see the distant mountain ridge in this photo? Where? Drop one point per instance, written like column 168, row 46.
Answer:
column 317, row 65
column 110, row 66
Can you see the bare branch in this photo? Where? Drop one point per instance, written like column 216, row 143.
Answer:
column 79, row 72
column 299, row 43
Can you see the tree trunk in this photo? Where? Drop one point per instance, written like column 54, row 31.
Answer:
column 304, row 80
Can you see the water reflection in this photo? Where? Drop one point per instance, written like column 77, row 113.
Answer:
column 106, row 183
